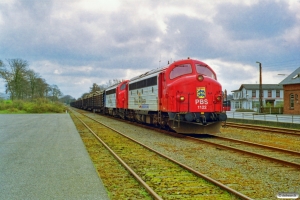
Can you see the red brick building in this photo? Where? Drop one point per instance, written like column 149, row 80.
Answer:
column 291, row 89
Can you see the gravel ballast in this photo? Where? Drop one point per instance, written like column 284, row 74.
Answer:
column 254, row 177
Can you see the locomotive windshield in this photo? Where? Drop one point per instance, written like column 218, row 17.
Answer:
column 205, row 71
column 123, row 87
column 180, row 70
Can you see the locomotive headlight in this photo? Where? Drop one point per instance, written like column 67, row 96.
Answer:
column 180, row 98
column 200, row 77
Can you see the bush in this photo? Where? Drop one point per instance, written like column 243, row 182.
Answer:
column 13, row 110
column 39, row 107
column 5, row 104
column 35, row 106
column 18, row 104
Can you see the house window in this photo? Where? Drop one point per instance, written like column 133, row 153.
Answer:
column 253, row 93
column 277, row 93
column 291, row 101
column 237, row 105
column 269, row 93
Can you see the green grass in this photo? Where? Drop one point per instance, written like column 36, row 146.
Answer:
column 35, row 106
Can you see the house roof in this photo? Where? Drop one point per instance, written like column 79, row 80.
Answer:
column 256, row 87
column 293, row 78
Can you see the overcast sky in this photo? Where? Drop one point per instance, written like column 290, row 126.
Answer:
column 75, row 43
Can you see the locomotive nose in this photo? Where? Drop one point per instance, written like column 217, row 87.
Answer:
column 190, row 117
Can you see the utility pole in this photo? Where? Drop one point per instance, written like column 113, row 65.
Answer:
column 260, row 88
column 225, row 100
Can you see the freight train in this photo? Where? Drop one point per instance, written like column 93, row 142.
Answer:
column 184, row 96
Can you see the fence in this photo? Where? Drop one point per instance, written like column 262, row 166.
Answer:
column 294, row 119
column 272, row 110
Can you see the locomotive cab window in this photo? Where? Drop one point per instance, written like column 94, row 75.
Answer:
column 123, row 86
column 205, row 71
column 181, row 70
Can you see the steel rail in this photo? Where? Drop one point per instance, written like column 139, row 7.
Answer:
column 259, row 145
column 296, row 165
column 264, row 128
column 215, row 182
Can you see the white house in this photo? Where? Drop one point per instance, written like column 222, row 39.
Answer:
column 247, row 96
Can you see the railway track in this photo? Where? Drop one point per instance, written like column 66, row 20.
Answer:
column 264, row 128
column 117, row 180
column 279, row 155
column 162, row 177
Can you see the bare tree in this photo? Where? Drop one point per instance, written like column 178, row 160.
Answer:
column 33, row 80
column 15, row 78
column 22, row 83
column 1, row 66
column 102, row 87
column 19, row 81
column 84, row 94
column 41, row 88
column 6, row 75
column 55, row 93
column 94, row 88
column 113, row 82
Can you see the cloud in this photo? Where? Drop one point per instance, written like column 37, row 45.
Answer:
column 261, row 20
column 71, row 43
column 232, row 74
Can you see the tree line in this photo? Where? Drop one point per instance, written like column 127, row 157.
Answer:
column 22, row 83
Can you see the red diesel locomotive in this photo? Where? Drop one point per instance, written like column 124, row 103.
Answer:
column 184, row 96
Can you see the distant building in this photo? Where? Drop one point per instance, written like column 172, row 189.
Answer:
column 247, row 96
column 291, row 87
